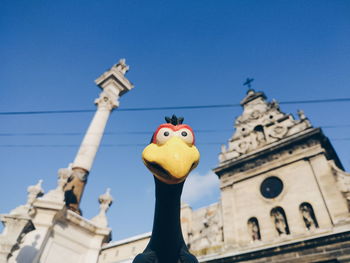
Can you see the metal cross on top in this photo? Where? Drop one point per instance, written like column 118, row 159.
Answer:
column 248, row 82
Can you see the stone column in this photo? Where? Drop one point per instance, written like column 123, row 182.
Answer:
column 113, row 84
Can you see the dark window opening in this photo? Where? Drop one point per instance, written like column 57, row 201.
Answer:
column 271, row 187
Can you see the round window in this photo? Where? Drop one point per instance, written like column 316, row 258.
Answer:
column 271, row 187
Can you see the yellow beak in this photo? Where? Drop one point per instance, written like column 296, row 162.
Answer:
column 171, row 162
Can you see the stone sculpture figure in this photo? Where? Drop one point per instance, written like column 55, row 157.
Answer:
column 308, row 217
column 280, row 222
column 254, row 229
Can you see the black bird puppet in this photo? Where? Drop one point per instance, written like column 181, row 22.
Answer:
column 170, row 156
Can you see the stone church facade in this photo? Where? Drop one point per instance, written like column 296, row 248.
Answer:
column 284, row 196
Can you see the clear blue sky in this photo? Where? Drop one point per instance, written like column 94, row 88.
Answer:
column 180, row 53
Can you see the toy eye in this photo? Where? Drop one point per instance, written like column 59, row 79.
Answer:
column 163, row 135
column 186, row 135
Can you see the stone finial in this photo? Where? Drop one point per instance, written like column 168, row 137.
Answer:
column 301, row 115
column 34, row 191
column 105, row 201
column 58, row 194
column 63, row 176
column 121, row 66
column 274, row 104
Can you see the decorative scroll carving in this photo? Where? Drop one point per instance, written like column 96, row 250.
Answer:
column 278, row 131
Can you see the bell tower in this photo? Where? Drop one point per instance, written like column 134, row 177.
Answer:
column 280, row 178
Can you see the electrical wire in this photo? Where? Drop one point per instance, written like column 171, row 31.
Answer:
column 217, row 144
column 4, row 134
column 171, row 107
column 76, row 145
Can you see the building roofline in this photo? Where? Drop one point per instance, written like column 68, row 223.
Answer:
column 127, row 240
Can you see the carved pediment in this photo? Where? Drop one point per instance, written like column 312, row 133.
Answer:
column 260, row 124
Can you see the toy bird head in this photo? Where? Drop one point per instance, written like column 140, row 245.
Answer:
column 171, row 155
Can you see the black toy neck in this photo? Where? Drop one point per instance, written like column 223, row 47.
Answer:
column 167, row 238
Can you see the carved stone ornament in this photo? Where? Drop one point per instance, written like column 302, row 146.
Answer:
column 301, row 115
column 255, row 114
column 308, row 216
column 279, row 131
column 242, row 147
column 207, row 237
column 254, row 229
column 121, row 66
column 280, row 222
column 58, row 194
column 34, row 191
column 260, row 124
column 105, row 201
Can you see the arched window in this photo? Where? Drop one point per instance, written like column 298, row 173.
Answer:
column 308, row 215
column 254, row 229
column 280, row 221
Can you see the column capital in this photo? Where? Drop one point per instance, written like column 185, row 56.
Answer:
column 107, row 101
column 114, row 84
